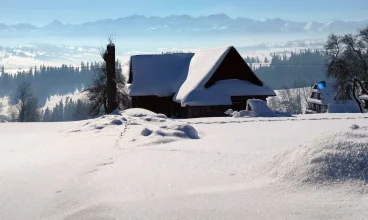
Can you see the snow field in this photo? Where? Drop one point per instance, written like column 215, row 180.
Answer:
column 49, row 172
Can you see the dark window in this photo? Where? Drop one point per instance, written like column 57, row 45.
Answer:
column 316, row 96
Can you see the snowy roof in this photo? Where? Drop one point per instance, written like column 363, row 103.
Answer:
column 202, row 68
column 220, row 93
column 364, row 97
column 315, row 101
column 159, row 74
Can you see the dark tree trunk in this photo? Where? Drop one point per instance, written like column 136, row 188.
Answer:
column 109, row 58
column 22, row 113
column 362, row 86
column 356, row 98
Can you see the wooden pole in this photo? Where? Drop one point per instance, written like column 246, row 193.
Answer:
column 109, row 58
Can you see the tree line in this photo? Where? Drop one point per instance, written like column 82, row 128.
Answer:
column 50, row 80
column 25, row 107
column 297, row 70
column 70, row 110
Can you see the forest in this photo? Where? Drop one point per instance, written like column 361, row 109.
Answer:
column 50, row 80
column 297, row 70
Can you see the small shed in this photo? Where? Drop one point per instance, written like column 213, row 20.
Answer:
column 325, row 98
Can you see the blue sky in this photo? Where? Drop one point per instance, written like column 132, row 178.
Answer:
column 41, row 12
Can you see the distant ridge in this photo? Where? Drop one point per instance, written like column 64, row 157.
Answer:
column 185, row 24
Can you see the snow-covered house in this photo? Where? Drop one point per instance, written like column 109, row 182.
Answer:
column 325, row 98
column 203, row 84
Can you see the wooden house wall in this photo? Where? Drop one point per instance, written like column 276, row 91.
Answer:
column 238, row 103
column 155, row 104
column 166, row 105
column 204, row 111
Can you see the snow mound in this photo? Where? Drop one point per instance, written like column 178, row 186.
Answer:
column 116, row 122
column 166, row 134
column 116, row 112
column 336, row 158
column 140, row 127
column 260, row 108
column 188, row 130
column 244, row 113
column 256, row 108
column 103, row 123
column 146, row 132
column 229, row 112
column 138, row 112
column 354, row 126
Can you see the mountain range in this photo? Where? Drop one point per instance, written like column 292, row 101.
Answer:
column 181, row 25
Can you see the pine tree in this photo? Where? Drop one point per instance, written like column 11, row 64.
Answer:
column 47, row 115
column 56, row 115
column 61, row 111
column 81, row 111
column 26, row 103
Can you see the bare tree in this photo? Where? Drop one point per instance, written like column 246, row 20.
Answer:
column 26, row 105
column 293, row 101
column 13, row 113
column 348, row 63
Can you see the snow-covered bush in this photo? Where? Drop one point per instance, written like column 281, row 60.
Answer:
column 256, row 108
column 293, row 101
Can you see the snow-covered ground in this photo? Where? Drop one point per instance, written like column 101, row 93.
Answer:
column 139, row 165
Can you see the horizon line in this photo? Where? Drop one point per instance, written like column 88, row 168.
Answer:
column 178, row 15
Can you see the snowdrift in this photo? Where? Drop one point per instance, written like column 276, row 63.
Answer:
column 257, row 108
column 335, row 158
column 141, row 126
